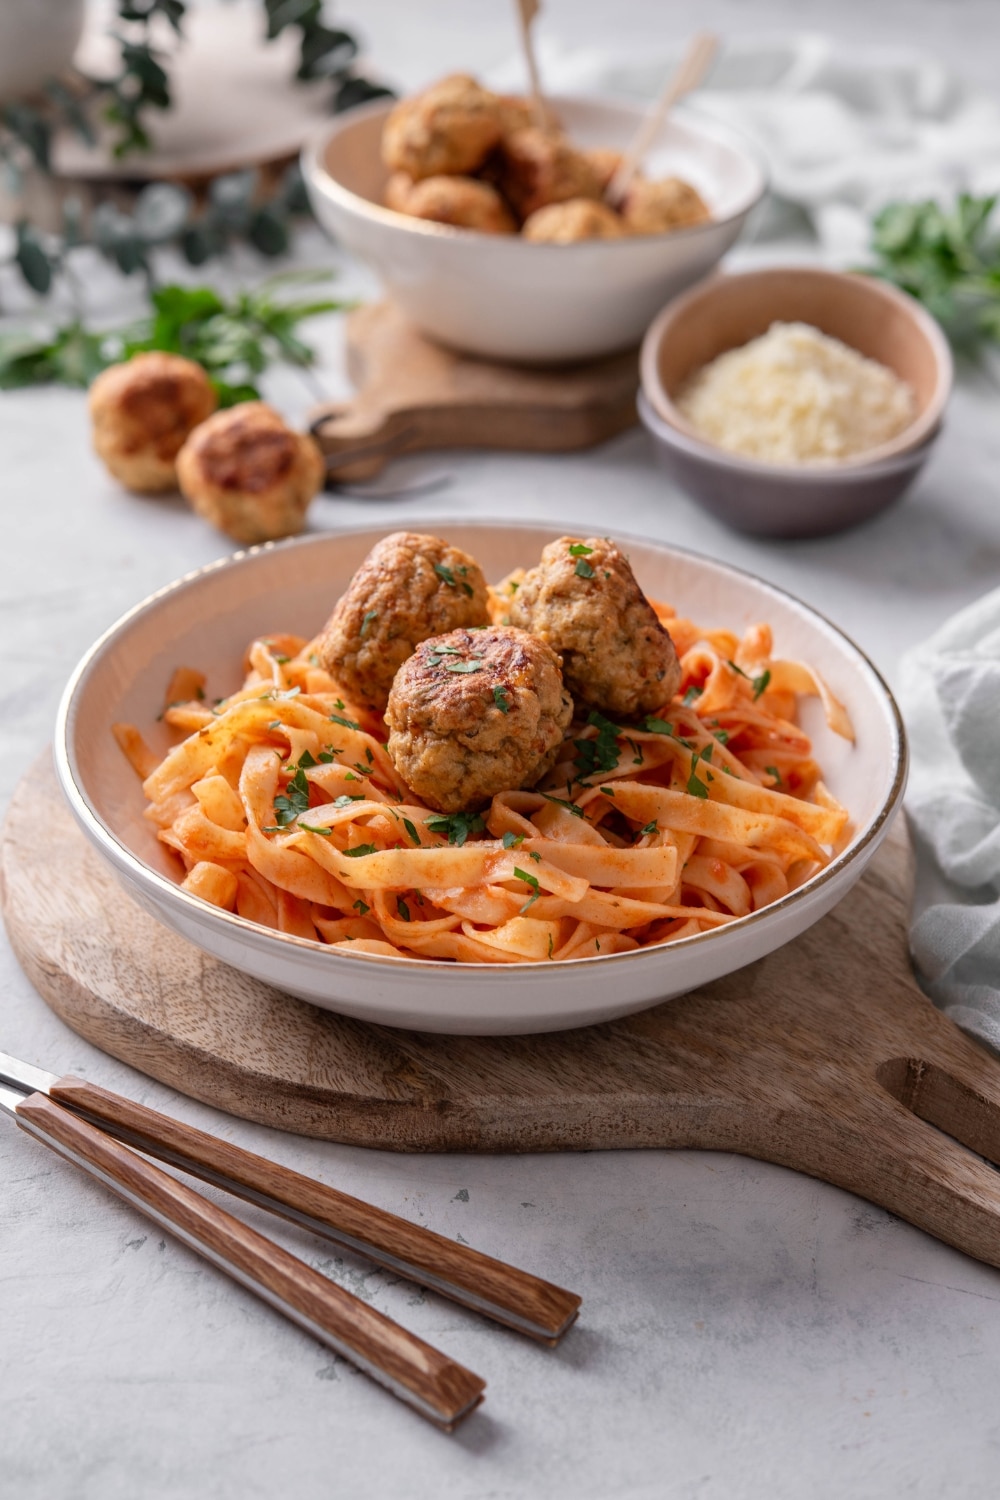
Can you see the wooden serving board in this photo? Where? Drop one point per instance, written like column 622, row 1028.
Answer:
column 824, row 1056
column 415, row 395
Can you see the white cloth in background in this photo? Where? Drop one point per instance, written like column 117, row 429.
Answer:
column 950, row 696
column 842, row 133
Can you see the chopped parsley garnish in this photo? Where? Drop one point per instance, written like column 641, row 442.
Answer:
column 652, row 827
column 514, row 585
column 463, row 666
column 534, row 854
column 511, row 840
column 693, row 692
column 313, row 659
column 281, row 660
column 456, row 827
column 583, row 568
column 414, row 835
column 656, row 726
column 315, row 828
column 306, row 760
column 550, row 945
column 361, row 907
column 274, row 724
column 758, row 684
column 608, row 791
column 501, row 700
column 369, row 757
column 338, row 703
column 359, row 851
column 722, row 735
column 696, row 787
column 773, row 771
column 350, row 776
column 361, row 770
column 601, row 753
column 447, row 575
column 345, row 723
column 294, row 800
column 346, row 798
column 570, row 807
column 402, row 908
column 530, row 881
column 368, row 622
column 580, row 549
column 636, row 752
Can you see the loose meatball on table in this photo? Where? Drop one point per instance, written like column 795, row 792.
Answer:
column 409, row 587
column 584, row 600
column 474, row 713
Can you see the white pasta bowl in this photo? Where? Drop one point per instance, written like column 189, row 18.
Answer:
column 207, row 618
column 505, row 297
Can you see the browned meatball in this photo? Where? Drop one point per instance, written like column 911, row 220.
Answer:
column 409, row 587
column 519, row 113
column 450, row 128
column 605, row 163
column 398, row 187
column 566, row 223
column 142, row 412
column 474, row 713
column 583, row 599
column 461, row 201
column 538, row 167
column 661, row 207
column 249, row 474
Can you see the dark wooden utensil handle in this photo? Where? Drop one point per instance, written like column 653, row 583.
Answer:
column 421, row 1375
column 457, row 1271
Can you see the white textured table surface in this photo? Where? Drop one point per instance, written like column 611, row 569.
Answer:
column 747, row 1334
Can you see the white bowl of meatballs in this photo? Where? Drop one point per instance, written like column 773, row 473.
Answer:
column 490, row 228
column 436, row 851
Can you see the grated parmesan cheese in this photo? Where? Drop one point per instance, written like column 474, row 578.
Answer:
column 795, row 396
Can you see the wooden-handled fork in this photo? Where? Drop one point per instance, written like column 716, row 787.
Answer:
column 104, row 1133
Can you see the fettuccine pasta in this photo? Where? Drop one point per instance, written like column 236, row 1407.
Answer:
column 281, row 803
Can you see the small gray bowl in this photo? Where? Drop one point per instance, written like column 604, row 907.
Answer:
column 780, row 500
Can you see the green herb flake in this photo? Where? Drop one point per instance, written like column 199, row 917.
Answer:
column 313, row 659
column 694, row 692
column 583, row 568
column 532, row 882
column 600, row 754
column 570, row 807
column 314, row 828
column 346, row 798
column 402, row 909
column 511, row 840
column 447, row 575
column 455, row 827
column 344, row 723
column 293, row 801
column 501, row 700
column 368, row 622
column 359, row 851
column 550, row 945
column 361, row 907
column 462, row 666
column 696, row 787
column 534, row 854
column 414, row 835
column 656, row 726
column 760, row 684
column 650, row 828
column 580, row 549
column 722, row 735
column 773, row 771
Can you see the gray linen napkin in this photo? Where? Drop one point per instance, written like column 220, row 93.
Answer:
column 950, row 697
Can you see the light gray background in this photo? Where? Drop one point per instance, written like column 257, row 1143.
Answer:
column 748, row 1334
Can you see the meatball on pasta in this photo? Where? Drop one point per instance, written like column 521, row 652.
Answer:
column 450, row 128
column 583, row 599
column 250, row 474
column 143, row 411
column 473, row 713
column 409, row 587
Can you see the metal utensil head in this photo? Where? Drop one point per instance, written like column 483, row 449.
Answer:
column 23, row 1076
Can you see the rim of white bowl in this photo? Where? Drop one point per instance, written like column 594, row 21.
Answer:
column 130, row 865
column 320, row 180
column 923, row 427
column 738, row 463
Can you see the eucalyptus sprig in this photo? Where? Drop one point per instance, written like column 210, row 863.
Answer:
column 235, row 340
column 948, row 257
